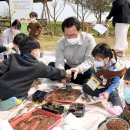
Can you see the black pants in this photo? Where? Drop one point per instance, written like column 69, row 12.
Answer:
column 81, row 78
column 113, row 97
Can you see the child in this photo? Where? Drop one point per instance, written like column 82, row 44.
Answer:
column 126, row 112
column 7, row 38
column 17, row 40
column 18, row 72
column 34, row 28
column 9, row 34
column 14, row 47
column 106, row 79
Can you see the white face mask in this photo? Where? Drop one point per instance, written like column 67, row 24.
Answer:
column 99, row 63
column 15, row 31
column 38, row 55
column 32, row 19
column 73, row 41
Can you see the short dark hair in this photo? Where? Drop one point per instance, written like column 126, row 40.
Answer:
column 127, row 74
column 69, row 22
column 18, row 38
column 33, row 14
column 16, row 24
column 28, row 44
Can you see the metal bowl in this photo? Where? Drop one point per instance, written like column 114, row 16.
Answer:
column 103, row 125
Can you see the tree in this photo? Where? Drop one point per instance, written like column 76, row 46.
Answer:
column 79, row 7
column 58, row 6
column 98, row 7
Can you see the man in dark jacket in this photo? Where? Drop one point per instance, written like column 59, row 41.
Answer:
column 121, row 19
column 18, row 72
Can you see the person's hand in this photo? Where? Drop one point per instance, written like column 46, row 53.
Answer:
column 68, row 73
column 36, row 34
column 29, row 30
column 76, row 71
column 1, row 61
column 104, row 95
column 63, row 81
column 68, row 77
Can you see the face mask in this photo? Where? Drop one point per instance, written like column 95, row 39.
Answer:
column 73, row 41
column 38, row 55
column 127, row 94
column 33, row 20
column 99, row 63
column 15, row 31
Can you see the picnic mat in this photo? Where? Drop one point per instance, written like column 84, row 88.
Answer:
column 94, row 110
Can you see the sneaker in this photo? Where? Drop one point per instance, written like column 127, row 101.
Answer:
column 7, row 104
column 115, row 110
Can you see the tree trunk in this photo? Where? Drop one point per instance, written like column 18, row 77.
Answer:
column 55, row 27
column 77, row 10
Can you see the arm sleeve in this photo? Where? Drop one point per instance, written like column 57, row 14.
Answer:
column 5, row 41
column 4, row 66
column 114, row 85
column 39, row 28
column 59, row 56
column 50, row 72
column 113, row 10
column 28, row 27
column 88, row 61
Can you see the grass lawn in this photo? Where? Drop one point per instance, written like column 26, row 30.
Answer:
column 48, row 43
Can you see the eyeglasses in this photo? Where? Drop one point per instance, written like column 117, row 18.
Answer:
column 71, row 36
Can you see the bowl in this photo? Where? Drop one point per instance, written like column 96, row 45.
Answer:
column 114, row 123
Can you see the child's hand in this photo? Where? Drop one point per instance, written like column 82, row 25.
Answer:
column 104, row 95
column 29, row 30
column 63, row 81
column 68, row 73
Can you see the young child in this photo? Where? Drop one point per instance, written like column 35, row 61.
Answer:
column 18, row 72
column 126, row 112
column 9, row 34
column 16, row 41
column 34, row 28
column 14, row 48
column 7, row 38
column 105, row 81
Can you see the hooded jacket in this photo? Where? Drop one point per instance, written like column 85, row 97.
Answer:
column 18, row 72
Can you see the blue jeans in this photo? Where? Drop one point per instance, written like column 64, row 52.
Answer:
column 113, row 97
